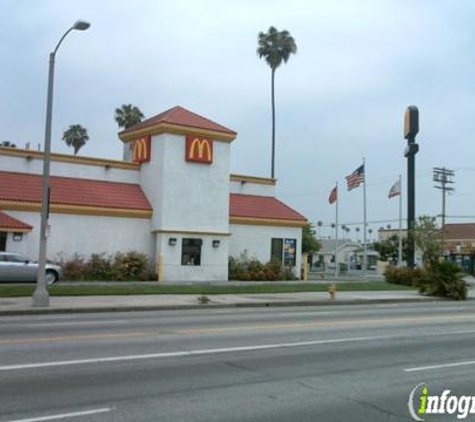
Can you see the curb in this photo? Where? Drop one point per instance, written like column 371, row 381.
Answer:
column 328, row 302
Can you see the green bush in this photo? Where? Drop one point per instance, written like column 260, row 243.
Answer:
column 73, row 268
column 444, row 279
column 99, row 267
column 404, row 276
column 130, row 266
column 246, row 269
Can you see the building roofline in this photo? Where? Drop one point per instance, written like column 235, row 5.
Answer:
column 175, row 129
column 29, row 154
column 252, row 179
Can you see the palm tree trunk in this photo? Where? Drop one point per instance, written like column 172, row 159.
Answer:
column 273, row 125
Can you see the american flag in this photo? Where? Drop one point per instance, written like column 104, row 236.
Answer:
column 356, row 178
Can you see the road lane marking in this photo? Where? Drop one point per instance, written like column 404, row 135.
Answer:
column 345, row 322
column 68, row 323
column 442, row 366
column 184, row 353
column 263, row 326
column 78, row 337
column 66, row 415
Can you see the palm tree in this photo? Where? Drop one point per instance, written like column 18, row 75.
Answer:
column 7, row 144
column 76, row 136
column 320, row 224
column 276, row 47
column 128, row 115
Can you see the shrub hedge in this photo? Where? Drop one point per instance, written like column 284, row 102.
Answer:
column 441, row 279
column 129, row 266
column 245, row 269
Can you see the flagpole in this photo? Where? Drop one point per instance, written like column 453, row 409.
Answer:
column 399, row 255
column 365, row 256
column 336, row 230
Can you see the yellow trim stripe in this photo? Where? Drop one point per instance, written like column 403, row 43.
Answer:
column 253, row 221
column 176, row 129
column 13, row 230
column 192, row 232
column 65, row 158
column 76, row 209
column 252, row 179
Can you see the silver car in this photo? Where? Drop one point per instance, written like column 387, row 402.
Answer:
column 17, row 267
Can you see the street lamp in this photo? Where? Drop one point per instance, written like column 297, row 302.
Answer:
column 40, row 296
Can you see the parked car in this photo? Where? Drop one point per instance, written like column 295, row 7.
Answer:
column 17, row 267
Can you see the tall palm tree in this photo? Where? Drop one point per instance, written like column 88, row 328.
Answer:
column 128, row 115
column 276, row 47
column 76, row 136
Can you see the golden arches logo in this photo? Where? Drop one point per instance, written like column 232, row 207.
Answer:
column 141, row 150
column 199, row 149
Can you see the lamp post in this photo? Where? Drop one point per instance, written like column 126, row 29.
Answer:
column 40, row 296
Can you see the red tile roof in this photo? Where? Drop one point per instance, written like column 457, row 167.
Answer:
column 464, row 231
column 180, row 116
column 7, row 222
column 253, row 206
column 24, row 187
column 72, row 191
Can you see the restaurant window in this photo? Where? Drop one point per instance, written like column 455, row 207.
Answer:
column 276, row 250
column 3, row 241
column 191, row 251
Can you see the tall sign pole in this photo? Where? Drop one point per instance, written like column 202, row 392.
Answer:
column 411, row 128
column 336, row 232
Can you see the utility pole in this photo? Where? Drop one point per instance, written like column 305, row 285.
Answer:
column 411, row 129
column 443, row 177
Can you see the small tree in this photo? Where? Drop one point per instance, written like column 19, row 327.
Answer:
column 309, row 241
column 427, row 239
column 76, row 136
column 388, row 249
column 128, row 115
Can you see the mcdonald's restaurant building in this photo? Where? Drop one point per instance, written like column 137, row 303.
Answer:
column 172, row 197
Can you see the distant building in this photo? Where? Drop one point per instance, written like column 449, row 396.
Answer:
column 348, row 253
column 459, row 245
column 384, row 234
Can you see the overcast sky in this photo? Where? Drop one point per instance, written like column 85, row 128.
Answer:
column 342, row 97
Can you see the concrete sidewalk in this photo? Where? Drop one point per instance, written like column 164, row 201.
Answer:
column 72, row 304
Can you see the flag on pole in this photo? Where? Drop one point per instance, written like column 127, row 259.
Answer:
column 333, row 195
column 356, row 178
column 395, row 189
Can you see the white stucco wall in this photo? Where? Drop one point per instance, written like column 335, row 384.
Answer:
column 249, row 188
column 81, row 171
column 185, row 195
column 256, row 241
column 84, row 235
column 214, row 261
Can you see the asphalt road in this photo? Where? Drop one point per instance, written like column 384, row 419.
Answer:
column 344, row 363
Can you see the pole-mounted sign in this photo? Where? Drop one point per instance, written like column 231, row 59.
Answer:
column 411, row 129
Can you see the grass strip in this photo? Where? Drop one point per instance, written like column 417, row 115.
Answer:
column 134, row 289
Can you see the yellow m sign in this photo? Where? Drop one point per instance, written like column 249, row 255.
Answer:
column 199, row 149
column 141, row 150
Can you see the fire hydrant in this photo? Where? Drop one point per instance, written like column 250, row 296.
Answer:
column 332, row 291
